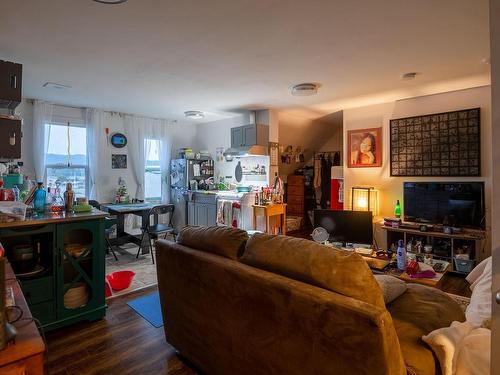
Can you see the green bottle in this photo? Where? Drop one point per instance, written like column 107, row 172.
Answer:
column 397, row 209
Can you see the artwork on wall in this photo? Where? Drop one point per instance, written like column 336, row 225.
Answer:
column 442, row 144
column 364, row 147
column 119, row 161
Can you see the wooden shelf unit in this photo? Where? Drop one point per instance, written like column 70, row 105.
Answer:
column 472, row 239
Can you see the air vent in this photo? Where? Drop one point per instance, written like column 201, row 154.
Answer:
column 409, row 76
column 53, row 85
column 305, row 89
column 194, row 114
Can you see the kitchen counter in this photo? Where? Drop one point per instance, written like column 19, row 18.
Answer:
column 53, row 218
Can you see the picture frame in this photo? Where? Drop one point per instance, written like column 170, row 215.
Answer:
column 119, row 161
column 364, row 148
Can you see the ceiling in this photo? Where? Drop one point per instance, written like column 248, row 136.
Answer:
column 163, row 57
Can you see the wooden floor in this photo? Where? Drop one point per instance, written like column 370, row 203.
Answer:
column 121, row 343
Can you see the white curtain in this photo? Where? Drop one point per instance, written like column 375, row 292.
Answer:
column 139, row 129
column 96, row 144
column 135, row 134
column 42, row 114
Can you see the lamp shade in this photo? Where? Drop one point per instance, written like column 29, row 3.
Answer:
column 364, row 199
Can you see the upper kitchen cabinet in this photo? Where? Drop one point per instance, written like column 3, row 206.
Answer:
column 250, row 135
column 10, row 139
column 10, row 84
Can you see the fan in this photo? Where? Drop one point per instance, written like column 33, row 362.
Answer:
column 320, row 235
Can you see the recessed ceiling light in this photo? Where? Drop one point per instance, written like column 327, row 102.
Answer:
column 110, row 1
column 305, row 89
column 409, row 76
column 194, row 114
column 53, row 85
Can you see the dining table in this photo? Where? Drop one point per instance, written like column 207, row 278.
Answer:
column 120, row 210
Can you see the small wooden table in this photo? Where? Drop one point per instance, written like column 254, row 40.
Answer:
column 434, row 282
column 25, row 355
column 271, row 212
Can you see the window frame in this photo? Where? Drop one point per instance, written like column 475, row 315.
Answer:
column 63, row 166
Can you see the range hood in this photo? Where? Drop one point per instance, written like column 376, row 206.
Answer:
column 248, row 140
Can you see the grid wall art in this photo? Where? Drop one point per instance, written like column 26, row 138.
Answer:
column 442, row 144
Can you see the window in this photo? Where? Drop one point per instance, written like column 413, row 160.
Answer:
column 66, row 157
column 152, row 177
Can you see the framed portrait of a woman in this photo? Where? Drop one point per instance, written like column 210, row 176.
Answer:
column 364, row 148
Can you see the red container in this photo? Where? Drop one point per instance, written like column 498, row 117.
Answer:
column 120, row 280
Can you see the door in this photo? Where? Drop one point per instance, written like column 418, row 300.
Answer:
column 211, row 215
column 237, row 137
column 10, row 84
column 191, row 213
column 10, row 139
column 201, row 214
column 249, row 135
column 80, row 267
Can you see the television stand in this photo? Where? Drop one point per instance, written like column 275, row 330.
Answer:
column 444, row 246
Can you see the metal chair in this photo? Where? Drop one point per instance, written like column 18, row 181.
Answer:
column 155, row 230
column 109, row 222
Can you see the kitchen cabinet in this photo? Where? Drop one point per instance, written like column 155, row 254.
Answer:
column 10, row 84
column 60, row 268
column 249, row 135
column 10, row 139
column 202, row 210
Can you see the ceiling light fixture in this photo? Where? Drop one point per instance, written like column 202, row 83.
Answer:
column 409, row 76
column 111, row 1
column 194, row 114
column 305, row 89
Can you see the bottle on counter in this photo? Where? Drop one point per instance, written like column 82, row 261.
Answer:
column 57, row 201
column 69, row 197
column 397, row 209
column 401, row 255
column 39, row 199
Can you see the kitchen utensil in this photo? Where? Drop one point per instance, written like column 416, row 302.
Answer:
column 243, row 189
column 238, row 172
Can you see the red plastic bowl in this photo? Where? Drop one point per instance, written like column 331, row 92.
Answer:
column 120, row 280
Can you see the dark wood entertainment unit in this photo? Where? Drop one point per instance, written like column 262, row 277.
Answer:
column 445, row 246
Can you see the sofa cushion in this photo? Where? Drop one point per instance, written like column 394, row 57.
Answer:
column 417, row 312
column 391, row 286
column 339, row 271
column 225, row 241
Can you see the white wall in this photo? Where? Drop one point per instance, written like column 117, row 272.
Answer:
column 183, row 135
column 391, row 188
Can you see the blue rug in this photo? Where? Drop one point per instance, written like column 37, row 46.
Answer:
column 149, row 308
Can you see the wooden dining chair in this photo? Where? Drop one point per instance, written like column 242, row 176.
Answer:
column 155, row 230
column 109, row 222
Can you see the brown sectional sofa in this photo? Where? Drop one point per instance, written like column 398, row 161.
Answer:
column 280, row 305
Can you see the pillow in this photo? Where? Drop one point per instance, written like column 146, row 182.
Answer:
column 391, row 286
column 225, row 241
column 445, row 343
column 461, row 349
column 479, row 308
column 339, row 271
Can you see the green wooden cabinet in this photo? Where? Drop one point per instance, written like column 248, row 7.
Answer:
column 51, row 294
column 79, row 276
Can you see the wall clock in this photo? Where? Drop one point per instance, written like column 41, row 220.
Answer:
column 118, row 140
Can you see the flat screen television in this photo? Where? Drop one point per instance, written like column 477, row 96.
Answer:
column 456, row 204
column 346, row 226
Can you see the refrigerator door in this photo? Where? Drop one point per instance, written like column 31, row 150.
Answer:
column 179, row 219
column 178, row 175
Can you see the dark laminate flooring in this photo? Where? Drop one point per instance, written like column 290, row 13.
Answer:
column 121, row 343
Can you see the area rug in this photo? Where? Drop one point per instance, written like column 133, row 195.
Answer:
column 149, row 308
